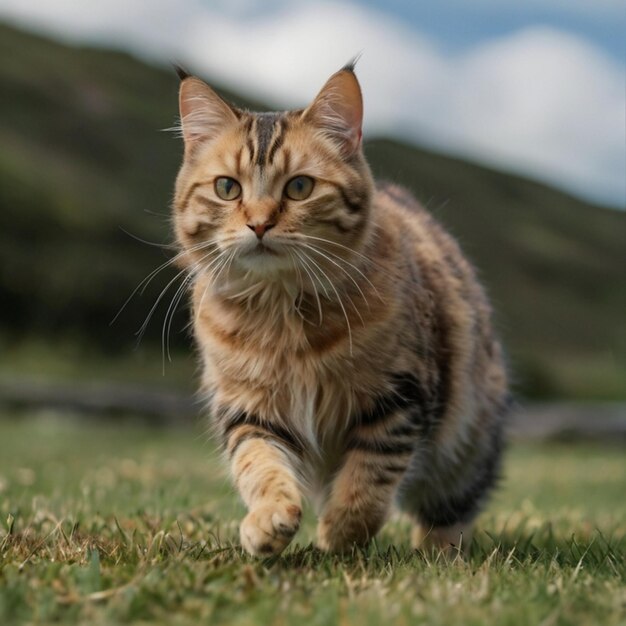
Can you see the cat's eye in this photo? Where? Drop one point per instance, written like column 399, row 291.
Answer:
column 299, row 188
column 227, row 188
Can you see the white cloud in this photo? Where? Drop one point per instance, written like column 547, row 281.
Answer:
column 539, row 101
column 548, row 104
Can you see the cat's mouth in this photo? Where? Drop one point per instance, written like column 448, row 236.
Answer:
column 265, row 258
column 262, row 250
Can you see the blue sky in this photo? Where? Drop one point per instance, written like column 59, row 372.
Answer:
column 532, row 86
column 459, row 24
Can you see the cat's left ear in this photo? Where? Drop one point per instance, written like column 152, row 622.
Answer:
column 338, row 110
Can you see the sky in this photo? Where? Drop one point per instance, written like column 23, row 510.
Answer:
column 535, row 87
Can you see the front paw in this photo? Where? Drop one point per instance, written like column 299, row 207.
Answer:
column 268, row 529
column 341, row 532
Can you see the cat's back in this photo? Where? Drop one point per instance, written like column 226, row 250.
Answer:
column 397, row 209
column 441, row 285
column 418, row 237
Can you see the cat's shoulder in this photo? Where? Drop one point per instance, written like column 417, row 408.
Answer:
column 400, row 202
column 397, row 194
column 394, row 196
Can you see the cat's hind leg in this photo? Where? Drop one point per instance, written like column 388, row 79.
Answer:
column 446, row 492
column 443, row 505
column 450, row 539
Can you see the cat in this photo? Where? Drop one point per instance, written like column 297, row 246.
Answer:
column 347, row 349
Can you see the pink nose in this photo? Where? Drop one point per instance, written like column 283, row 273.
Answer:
column 260, row 229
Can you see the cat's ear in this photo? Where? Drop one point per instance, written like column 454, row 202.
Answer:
column 203, row 114
column 338, row 110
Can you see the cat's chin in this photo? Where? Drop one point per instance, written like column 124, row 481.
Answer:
column 264, row 261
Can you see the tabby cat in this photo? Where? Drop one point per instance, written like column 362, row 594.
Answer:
column 347, row 348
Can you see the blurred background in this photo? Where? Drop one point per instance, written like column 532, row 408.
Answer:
column 506, row 119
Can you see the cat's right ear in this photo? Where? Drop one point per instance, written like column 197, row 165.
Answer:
column 203, row 114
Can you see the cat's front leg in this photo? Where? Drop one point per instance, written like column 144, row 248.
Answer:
column 263, row 461
column 363, row 490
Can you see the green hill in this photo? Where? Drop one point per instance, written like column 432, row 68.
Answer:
column 83, row 160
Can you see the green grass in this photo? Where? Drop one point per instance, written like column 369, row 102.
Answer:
column 77, row 362
column 111, row 523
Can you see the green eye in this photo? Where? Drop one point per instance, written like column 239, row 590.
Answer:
column 299, row 188
column 227, row 188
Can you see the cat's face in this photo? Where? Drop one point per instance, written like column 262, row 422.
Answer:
column 272, row 193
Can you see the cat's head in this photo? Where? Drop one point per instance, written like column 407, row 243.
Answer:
column 264, row 190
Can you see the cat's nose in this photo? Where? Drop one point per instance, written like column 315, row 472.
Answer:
column 260, row 229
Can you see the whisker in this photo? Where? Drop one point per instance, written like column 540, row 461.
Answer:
column 197, row 311
column 166, row 246
column 145, row 282
column 230, row 263
column 298, row 302
column 311, row 275
column 144, row 326
column 366, row 259
column 176, row 300
column 314, row 249
column 354, row 267
column 334, row 243
column 167, row 216
column 148, row 279
column 340, row 302
column 207, row 286
column 356, row 309
column 306, row 259
column 216, row 264
column 171, row 310
column 222, row 266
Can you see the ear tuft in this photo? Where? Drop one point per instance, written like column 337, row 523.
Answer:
column 181, row 72
column 203, row 114
column 351, row 64
column 338, row 110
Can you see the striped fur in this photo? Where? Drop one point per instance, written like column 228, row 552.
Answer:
column 348, row 354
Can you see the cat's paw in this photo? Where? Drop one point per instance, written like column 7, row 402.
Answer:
column 450, row 541
column 340, row 533
column 268, row 529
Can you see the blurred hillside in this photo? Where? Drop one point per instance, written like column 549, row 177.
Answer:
column 83, row 161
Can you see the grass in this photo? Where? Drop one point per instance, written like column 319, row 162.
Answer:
column 115, row 523
column 78, row 362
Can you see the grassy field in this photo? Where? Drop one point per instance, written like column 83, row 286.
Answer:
column 108, row 523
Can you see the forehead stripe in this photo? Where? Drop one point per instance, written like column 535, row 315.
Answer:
column 265, row 124
column 278, row 141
